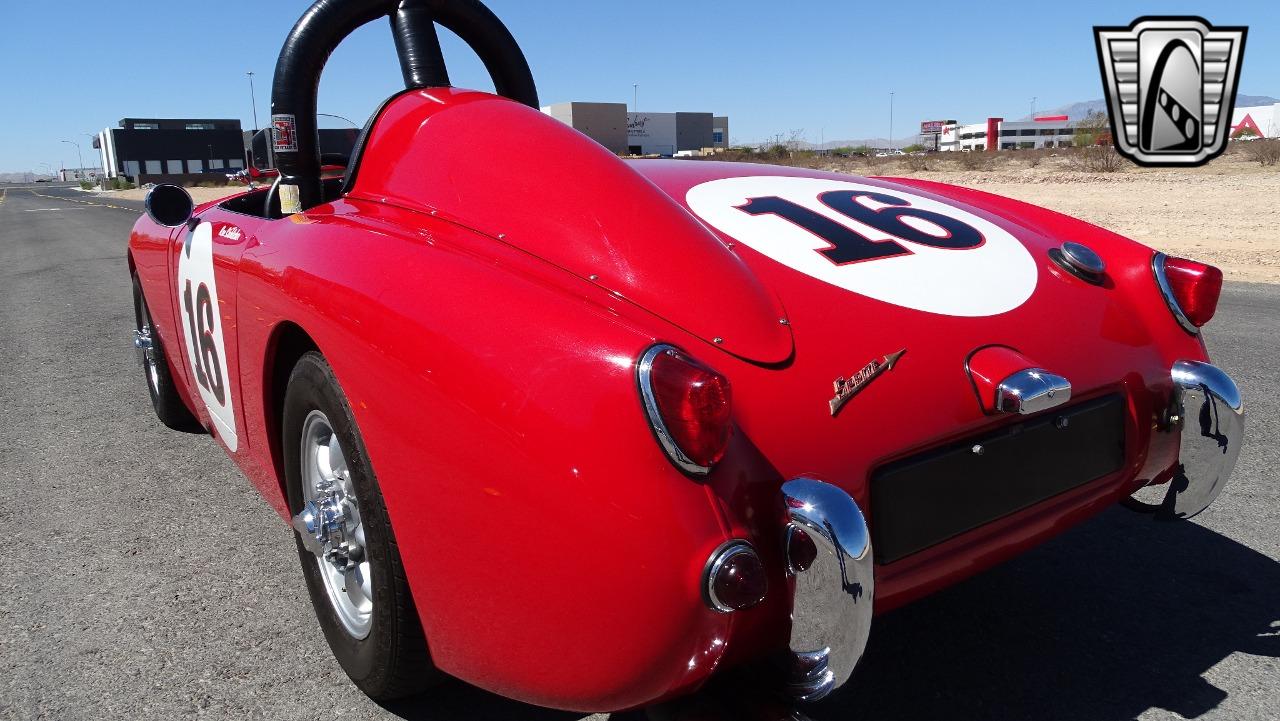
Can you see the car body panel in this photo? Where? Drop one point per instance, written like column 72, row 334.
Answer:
column 554, row 553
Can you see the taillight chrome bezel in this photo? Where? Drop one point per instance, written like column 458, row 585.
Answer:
column 644, row 377
column 1166, row 290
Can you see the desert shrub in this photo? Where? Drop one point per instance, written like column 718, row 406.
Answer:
column 1034, row 157
column 86, row 185
column 1265, row 152
column 119, row 183
column 916, row 162
column 976, row 160
column 1101, row 158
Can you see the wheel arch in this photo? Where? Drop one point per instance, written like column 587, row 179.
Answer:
column 287, row 344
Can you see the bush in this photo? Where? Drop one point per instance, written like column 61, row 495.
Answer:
column 975, row 160
column 916, row 162
column 917, row 148
column 86, row 185
column 1034, row 157
column 1266, row 152
column 1096, row 159
column 119, row 183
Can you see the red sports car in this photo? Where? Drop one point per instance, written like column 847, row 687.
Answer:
column 583, row 431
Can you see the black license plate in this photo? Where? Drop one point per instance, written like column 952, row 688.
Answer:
column 923, row 500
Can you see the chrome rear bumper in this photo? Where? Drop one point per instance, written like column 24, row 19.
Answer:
column 1207, row 403
column 1207, row 414
column 828, row 555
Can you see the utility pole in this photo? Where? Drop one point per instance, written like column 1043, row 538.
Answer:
column 890, row 120
column 1033, row 107
column 253, row 100
column 635, row 97
column 78, row 155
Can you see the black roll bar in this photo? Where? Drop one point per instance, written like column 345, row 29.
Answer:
column 327, row 22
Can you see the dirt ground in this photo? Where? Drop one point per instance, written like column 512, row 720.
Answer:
column 1226, row 213
column 199, row 195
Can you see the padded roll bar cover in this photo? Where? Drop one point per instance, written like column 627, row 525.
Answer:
column 418, row 46
column 327, row 22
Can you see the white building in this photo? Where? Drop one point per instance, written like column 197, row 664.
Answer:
column 1261, row 119
column 1049, row 131
column 968, row 138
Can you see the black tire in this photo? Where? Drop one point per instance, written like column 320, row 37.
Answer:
column 165, row 399
column 392, row 661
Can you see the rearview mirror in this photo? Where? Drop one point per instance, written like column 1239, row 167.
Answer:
column 169, row 205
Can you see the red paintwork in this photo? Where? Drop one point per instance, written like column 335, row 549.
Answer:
column 482, row 295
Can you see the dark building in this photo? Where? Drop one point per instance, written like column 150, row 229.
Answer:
column 155, row 150
column 336, row 146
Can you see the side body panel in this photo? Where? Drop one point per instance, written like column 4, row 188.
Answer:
column 553, row 552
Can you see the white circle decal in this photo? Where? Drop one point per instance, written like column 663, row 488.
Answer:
column 884, row 243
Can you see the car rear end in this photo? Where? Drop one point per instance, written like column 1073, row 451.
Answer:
column 900, row 451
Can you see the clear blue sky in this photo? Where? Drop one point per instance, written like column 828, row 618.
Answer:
column 824, row 66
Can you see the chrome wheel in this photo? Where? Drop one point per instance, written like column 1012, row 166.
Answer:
column 329, row 525
column 144, row 344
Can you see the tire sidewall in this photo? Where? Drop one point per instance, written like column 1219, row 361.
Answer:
column 166, row 401
column 312, row 386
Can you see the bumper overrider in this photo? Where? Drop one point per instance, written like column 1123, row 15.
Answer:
column 1207, row 413
column 828, row 556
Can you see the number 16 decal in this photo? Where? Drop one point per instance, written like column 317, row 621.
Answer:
column 881, row 241
column 202, row 330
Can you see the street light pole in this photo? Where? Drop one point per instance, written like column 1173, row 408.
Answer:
column 635, row 97
column 78, row 155
column 253, row 99
column 890, row 120
column 1033, row 107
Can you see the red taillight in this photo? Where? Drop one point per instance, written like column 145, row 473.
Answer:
column 688, row 406
column 735, row 578
column 1191, row 288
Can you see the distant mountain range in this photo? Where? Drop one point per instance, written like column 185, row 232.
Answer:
column 1076, row 111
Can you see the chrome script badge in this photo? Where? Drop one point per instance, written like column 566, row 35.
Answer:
column 845, row 389
column 1171, row 85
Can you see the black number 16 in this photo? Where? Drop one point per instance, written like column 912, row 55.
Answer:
column 200, row 320
column 850, row 246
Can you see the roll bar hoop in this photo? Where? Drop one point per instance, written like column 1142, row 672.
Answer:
column 326, row 23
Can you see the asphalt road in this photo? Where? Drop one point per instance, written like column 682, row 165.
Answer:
column 151, row 582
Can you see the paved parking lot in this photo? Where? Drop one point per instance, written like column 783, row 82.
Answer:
column 150, row 581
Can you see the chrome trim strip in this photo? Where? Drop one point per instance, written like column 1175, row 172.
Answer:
column 1031, row 391
column 1166, row 290
column 832, row 596
column 644, row 375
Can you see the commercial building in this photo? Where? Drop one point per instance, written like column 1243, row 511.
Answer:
column 153, row 150
column 605, row 123
column 720, row 131
column 68, row 174
column 1050, row 131
column 643, row 133
column 1261, row 120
